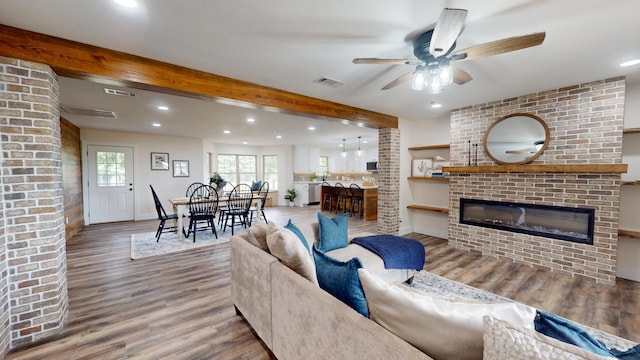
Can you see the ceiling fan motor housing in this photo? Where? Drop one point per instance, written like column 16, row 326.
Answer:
column 421, row 47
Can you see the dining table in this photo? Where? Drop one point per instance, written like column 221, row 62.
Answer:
column 181, row 208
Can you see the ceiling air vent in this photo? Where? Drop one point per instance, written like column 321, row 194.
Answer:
column 333, row 83
column 89, row 112
column 118, row 92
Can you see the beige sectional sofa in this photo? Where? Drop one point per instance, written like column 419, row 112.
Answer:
column 296, row 319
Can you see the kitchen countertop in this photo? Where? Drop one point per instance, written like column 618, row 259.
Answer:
column 346, row 183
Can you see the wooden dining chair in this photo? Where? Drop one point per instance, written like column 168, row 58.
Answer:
column 203, row 205
column 162, row 216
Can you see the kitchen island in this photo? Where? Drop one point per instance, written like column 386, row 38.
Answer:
column 369, row 202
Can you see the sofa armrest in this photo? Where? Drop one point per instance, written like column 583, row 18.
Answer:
column 309, row 323
column 251, row 285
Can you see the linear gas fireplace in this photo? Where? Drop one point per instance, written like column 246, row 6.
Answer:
column 556, row 222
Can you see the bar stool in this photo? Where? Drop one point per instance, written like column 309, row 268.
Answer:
column 327, row 196
column 341, row 197
column 357, row 196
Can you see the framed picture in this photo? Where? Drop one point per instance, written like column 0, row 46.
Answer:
column 419, row 167
column 159, row 161
column 180, row 168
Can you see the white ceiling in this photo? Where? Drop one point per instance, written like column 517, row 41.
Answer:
column 287, row 44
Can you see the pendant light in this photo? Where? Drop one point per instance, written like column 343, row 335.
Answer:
column 344, row 149
column 359, row 152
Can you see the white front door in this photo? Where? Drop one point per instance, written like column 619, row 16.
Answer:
column 110, row 183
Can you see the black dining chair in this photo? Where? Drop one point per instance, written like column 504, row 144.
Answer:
column 259, row 211
column 191, row 188
column 203, row 205
column 162, row 216
column 238, row 206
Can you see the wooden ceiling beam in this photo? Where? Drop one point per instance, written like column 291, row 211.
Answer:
column 82, row 61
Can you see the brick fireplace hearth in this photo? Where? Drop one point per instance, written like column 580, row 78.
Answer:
column 585, row 123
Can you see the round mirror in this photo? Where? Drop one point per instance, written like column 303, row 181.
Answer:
column 516, row 139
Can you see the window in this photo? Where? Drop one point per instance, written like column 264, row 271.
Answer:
column 324, row 164
column 270, row 171
column 237, row 169
column 110, row 168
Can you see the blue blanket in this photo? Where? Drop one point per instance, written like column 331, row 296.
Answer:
column 396, row 252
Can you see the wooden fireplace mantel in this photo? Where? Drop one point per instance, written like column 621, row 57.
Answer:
column 581, row 168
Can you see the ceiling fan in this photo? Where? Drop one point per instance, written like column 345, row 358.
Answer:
column 434, row 50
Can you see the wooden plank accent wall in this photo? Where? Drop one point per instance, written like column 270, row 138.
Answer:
column 77, row 60
column 71, row 177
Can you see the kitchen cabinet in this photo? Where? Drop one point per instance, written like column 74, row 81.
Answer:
column 306, row 159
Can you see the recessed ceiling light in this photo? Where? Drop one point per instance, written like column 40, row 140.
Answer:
column 127, row 3
column 631, row 62
column 312, row 128
column 360, row 124
column 251, row 120
column 156, row 124
column 278, row 136
column 346, row 122
column 227, row 131
column 436, row 105
column 365, row 141
column 163, row 108
column 244, row 143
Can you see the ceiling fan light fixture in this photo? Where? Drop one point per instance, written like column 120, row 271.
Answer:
column 418, row 81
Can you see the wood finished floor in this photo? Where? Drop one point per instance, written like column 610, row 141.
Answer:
column 178, row 306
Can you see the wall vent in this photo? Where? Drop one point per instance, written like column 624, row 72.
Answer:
column 325, row 81
column 118, row 92
column 89, row 112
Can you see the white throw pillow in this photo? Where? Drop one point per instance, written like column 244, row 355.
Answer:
column 257, row 234
column 287, row 247
column 443, row 329
column 504, row 341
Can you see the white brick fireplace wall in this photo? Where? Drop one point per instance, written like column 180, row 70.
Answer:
column 585, row 123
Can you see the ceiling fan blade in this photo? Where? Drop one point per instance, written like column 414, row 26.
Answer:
column 387, row 61
column 399, row 80
column 460, row 76
column 447, row 30
column 499, row 47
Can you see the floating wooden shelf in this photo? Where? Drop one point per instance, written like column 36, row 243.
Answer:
column 430, row 147
column 631, row 131
column 427, row 178
column 630, row 183
column 428, row 208
column 629, row 234
column 585, row 168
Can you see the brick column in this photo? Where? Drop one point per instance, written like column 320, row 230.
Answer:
column 33, row 203
column 388, row 181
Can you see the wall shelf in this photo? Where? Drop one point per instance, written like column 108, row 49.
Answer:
column 430, row 147
column 428, row 178
column 631, row 131
column 629, row 234
column 580, row 168
column 636, row 183
column 428, row 208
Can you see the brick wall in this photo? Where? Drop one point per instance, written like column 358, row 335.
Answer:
column 388, row 180
column 585, row 123
column 32, row 201
column 4, row 276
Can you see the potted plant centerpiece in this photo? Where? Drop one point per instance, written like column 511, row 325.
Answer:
column 292, row 194
column 217, row 182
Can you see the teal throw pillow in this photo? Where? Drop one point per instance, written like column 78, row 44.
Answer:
column 255, row 185
column 333, row 232
column 299, row 234
column 341, row 280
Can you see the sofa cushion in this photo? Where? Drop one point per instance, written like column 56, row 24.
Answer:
column 299, row 234
column 333, row 232
column 504, row 341
column 257, row 234
column 286, row 246
column 443, row 329
column 341, row 280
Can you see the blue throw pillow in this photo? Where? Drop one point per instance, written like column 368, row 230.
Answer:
column 255, row 185
column 333, row 232
column 341, row 280
column 562, row 329
column 299, row 234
